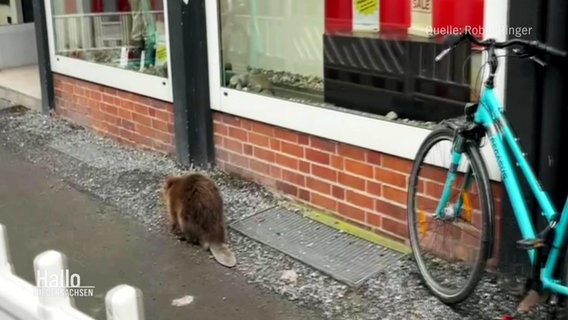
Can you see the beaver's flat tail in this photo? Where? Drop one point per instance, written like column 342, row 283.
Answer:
column 223, row 254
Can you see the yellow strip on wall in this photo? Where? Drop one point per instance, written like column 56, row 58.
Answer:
column 331, row 221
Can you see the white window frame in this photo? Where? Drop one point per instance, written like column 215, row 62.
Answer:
column 353, row 128
column 132, row 81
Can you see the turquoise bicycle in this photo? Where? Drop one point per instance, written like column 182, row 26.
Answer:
column 452, row 190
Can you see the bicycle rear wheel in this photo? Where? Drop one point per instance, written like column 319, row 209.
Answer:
column 562, row 312
column 452, row 269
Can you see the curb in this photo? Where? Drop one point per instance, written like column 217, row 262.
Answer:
column 14, row 97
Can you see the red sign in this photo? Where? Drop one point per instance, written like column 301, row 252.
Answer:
column 448, row 14
column 459, row 14
column 339, row 15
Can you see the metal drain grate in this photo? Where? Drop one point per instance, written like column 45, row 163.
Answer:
column 347, row 258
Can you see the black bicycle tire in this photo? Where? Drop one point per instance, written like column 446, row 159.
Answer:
column 564, row 299
column 486, row 198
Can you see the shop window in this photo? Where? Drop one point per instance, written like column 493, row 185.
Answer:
column 354, row 54
column 359, row 55
column 273, row 47
column 125, row 34
column 386, row 84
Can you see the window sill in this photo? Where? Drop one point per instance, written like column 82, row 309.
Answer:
column 127, row 80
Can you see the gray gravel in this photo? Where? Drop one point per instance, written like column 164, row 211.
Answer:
column 130, row 180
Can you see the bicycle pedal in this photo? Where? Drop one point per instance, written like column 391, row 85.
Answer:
column 528, row 244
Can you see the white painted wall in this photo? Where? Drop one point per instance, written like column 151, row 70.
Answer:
column 18, row 43
column 14, row 11
column 496, row 23
column 4, row 14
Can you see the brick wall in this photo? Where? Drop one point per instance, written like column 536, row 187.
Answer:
column 125, row 117
column 362, row 186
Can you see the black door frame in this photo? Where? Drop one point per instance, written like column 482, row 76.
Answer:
column 193, row 121
column 536, row 105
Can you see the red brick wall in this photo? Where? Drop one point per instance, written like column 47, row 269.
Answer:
column 362, row 186
column 128, row 118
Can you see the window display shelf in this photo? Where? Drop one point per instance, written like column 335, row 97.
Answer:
column 391, row 71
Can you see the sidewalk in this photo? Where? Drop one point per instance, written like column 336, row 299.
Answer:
column 106, row 249
column 21, row 86
column 128, row 180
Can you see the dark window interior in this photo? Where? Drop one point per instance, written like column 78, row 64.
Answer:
column 27, row 11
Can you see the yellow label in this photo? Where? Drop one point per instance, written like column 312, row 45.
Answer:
column 366, row 6
column 161, row 53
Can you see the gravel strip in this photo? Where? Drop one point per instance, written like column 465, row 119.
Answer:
column 130, row 180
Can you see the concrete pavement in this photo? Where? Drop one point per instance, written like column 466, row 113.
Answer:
column 106, row 249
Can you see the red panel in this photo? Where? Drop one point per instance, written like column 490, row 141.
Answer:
column 395, row 13
column 338, row 15
column 123, row 5
column 459, row 14
column 97, row 6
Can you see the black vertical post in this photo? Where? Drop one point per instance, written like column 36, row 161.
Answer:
column 44, row 64
column 193, row 120
column 553, row 141
column 553, row 106
column 522, row 97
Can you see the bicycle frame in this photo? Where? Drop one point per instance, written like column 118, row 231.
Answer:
column 490, row 115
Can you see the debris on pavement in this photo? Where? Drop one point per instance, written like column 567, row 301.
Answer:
column 183, row 301
column 290, row 276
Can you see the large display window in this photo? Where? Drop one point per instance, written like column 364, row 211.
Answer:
column 273, row 47
column 357, row 71
column 315, row 51
column 118, row 43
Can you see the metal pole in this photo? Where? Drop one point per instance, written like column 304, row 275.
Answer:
column 43, row 56
column 523, row 112
column 193, row 121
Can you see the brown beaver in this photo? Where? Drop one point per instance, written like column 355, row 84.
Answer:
column 195, row 209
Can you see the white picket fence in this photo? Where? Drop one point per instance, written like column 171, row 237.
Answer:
column 19, row 300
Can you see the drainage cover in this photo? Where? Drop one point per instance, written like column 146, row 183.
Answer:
column 345, row 257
